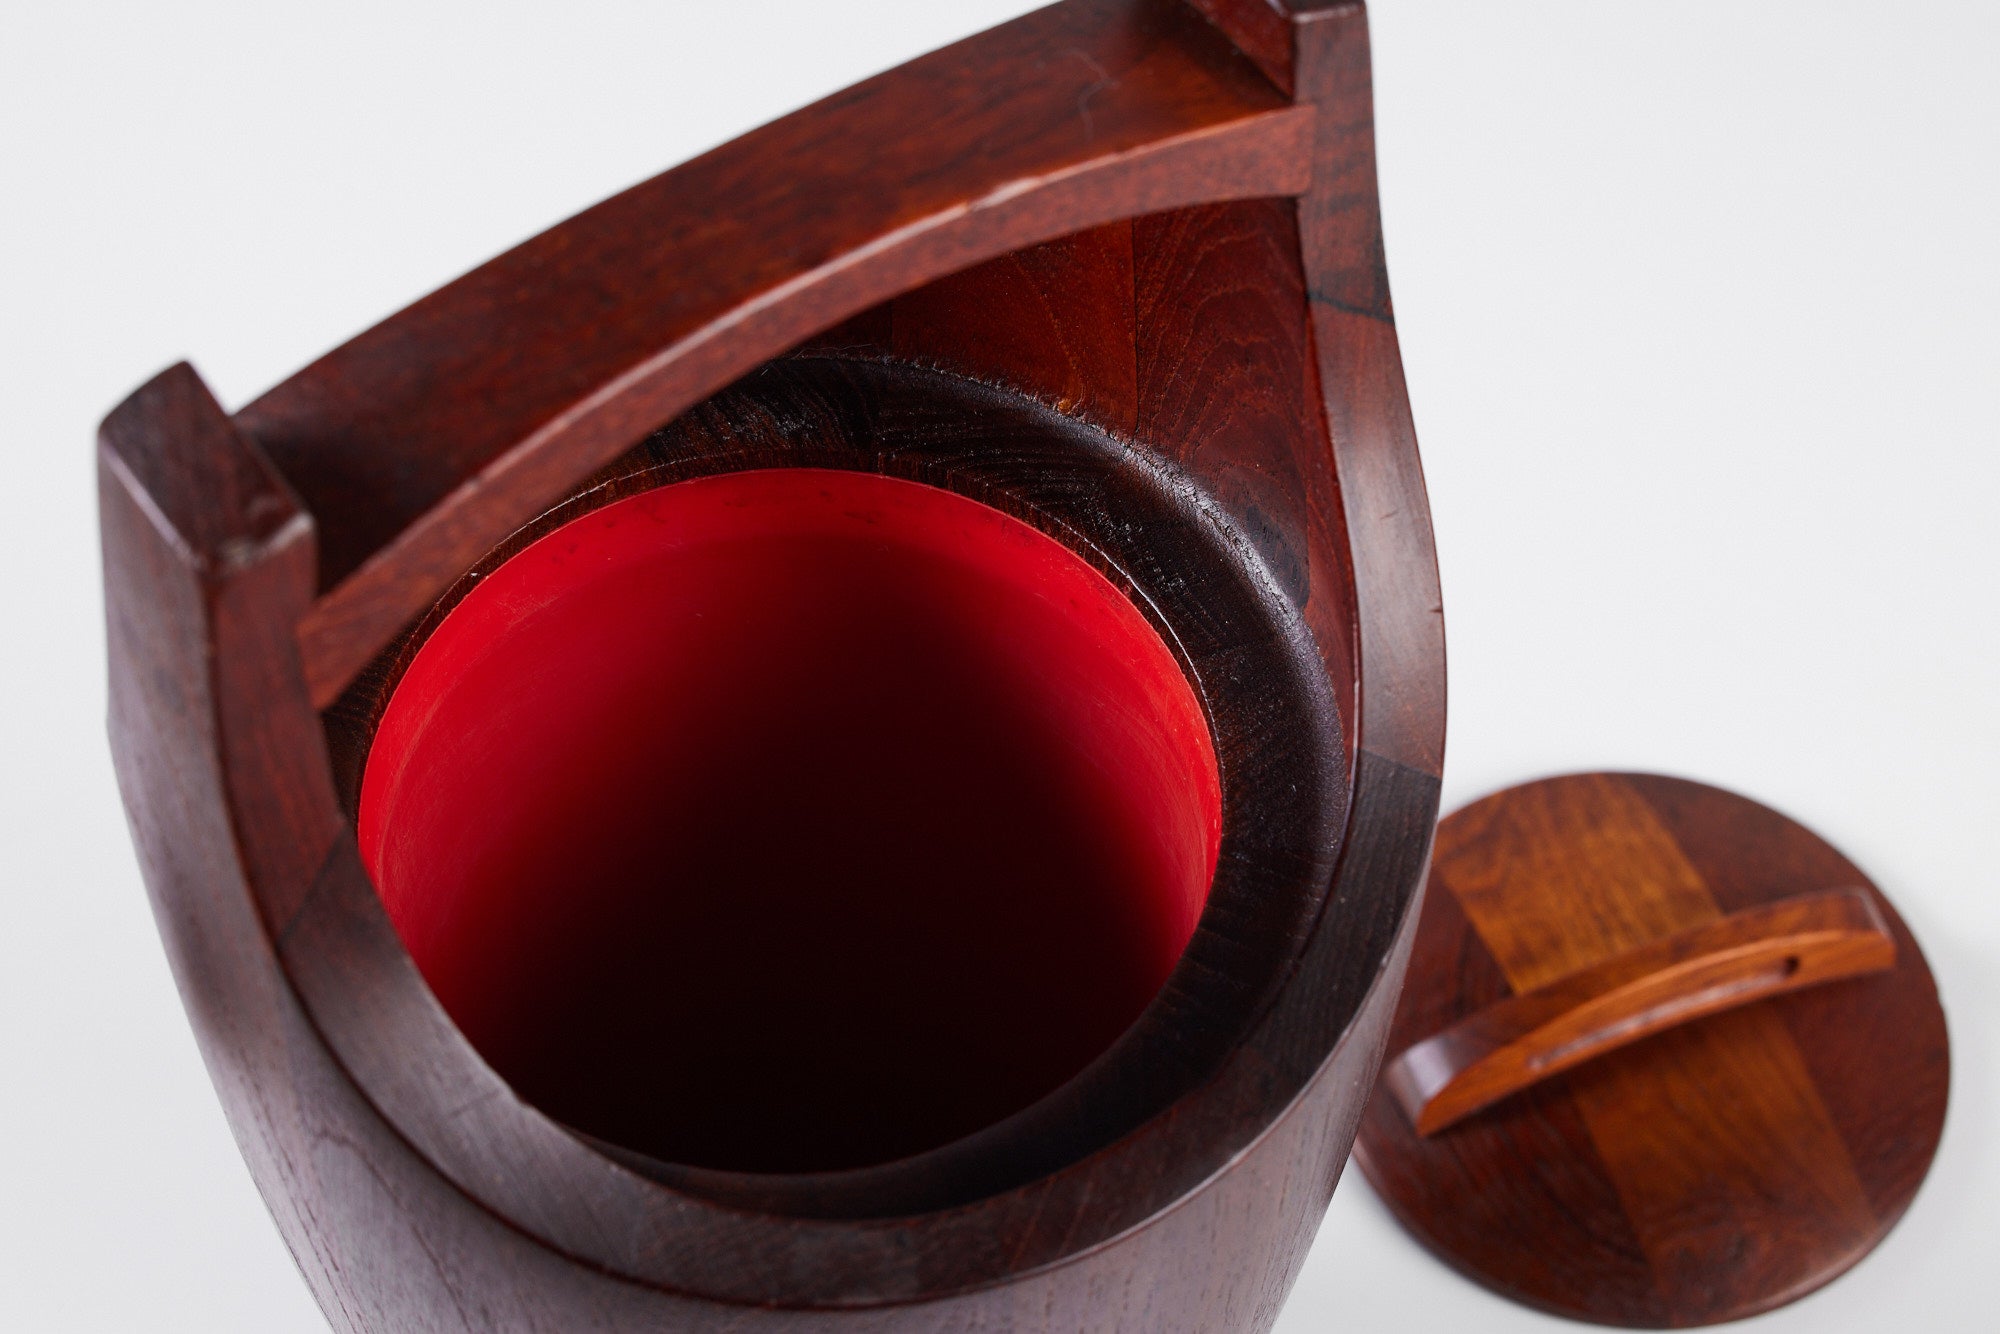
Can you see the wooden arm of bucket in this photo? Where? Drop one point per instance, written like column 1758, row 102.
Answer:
column 425, row 441
column 1720, row 965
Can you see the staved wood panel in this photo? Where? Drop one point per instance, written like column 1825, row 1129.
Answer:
column 1228, row 387
column 1704, row 1127
column 1219, row 287
column 1399, row 644
column 1746, row 853
column 1052, row 320
column 417, row 1194
column 1474, row 1214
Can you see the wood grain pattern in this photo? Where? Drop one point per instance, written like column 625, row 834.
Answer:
column 1220, row 285
column 1366, row 404
column 1261, row 29
column 1734, row 961
column 1885, row 1137
column 1132, row 326
column 261, row 569
column 1053, row 320
column 1751, row 1190
column 1283, row 803
column 426, row 440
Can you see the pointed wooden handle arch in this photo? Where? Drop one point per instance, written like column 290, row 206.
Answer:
column 421, row 444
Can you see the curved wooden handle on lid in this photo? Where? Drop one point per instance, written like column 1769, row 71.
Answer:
column 1746, row 957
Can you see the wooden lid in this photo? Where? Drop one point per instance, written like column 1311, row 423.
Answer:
column 1679, row 1061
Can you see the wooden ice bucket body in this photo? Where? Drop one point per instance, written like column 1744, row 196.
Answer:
column 1104, row 284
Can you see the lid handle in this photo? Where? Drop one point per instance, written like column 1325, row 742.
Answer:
column 1736, row 960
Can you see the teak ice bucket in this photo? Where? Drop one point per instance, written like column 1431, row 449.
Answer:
column 846, row 740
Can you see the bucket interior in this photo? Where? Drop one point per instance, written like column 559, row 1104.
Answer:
column 792, row 819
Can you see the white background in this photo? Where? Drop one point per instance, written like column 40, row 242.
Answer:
column 1701, row 312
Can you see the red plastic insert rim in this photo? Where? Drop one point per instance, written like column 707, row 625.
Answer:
column 792, row 820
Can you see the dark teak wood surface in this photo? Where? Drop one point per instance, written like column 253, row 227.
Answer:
column 1114, row 268
column 1762, row 1124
